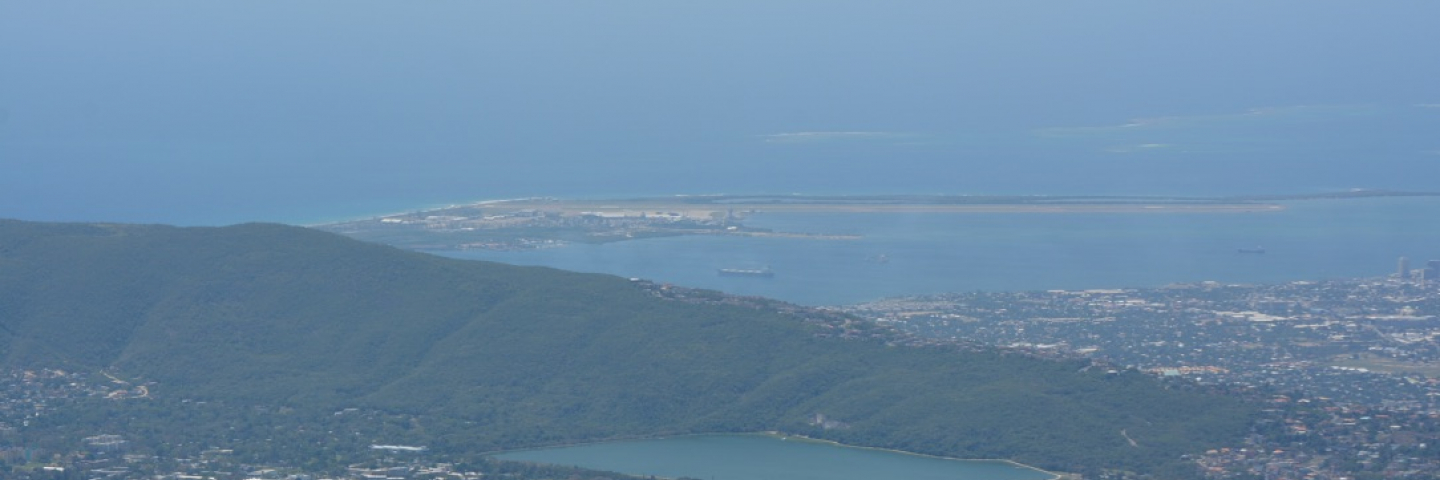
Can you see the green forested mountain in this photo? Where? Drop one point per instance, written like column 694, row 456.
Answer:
column 497, row 356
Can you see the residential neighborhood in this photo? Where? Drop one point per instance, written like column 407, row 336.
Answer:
column 1349, row 367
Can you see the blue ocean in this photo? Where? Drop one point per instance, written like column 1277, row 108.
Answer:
column 215, row 113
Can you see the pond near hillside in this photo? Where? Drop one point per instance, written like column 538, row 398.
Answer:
column 764, row 457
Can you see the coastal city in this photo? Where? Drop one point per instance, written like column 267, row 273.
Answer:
column 1349, row 372
column 732, row 240
column 1348, row 367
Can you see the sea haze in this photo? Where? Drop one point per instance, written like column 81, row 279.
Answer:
column 216, row 113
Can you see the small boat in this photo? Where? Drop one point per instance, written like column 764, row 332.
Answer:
column 1250, row 250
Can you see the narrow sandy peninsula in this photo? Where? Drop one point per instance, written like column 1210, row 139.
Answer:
column 533, row 223
column 703, row 210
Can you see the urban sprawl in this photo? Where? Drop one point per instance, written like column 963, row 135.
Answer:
column 1350, row 368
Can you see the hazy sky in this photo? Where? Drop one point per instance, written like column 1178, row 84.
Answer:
column 214, row 112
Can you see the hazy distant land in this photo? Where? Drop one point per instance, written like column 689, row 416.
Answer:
column 546, row 222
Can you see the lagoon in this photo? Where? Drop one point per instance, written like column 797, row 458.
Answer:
column 765, row 457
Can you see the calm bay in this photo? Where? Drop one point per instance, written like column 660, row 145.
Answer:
column 908, row 254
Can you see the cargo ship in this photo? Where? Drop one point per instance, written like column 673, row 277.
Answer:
column 746, row 272
column 1251, row 250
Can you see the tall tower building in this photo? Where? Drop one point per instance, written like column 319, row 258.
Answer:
column 1404, row 270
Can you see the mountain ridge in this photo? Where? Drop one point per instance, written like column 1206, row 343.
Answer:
column 508, row 356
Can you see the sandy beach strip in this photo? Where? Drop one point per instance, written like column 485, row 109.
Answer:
column 698, row 210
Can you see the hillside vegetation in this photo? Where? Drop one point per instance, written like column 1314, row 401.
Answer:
column 495, row 356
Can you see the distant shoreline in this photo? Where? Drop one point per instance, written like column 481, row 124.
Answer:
column 751, row 208
column 709, row 205
column 547, row 222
